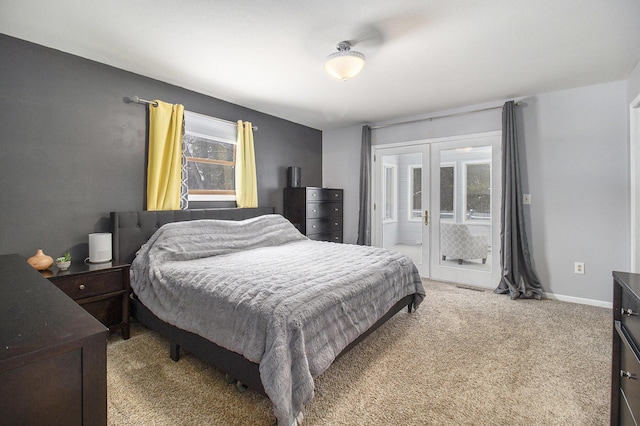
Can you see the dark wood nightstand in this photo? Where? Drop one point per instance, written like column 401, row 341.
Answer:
column 102, row 289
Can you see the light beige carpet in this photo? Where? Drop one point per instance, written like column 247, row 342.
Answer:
column 465, row 357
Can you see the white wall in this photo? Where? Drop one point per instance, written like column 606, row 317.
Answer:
column 577, row 167
column 633, row 92
column 633, row 84
column 341, row 169
column 574, row 163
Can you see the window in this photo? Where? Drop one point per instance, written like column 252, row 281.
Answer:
column 447, row 191
column 415, row 193
column 478, row 191
column 210, row 151
column 390, row 197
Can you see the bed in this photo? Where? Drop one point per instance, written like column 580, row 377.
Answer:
column 244, row 291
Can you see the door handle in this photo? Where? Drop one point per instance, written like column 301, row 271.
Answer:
column 426, row 217
column 628, row 374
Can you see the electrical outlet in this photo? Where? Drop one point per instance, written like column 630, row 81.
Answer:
column 526, row 199
column 578, row 268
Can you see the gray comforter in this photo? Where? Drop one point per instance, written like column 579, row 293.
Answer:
column 260, row 288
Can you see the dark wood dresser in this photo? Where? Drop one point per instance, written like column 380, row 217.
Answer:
column 102, row 289
column 625, row 370
column 53, row 354
column 316, row 212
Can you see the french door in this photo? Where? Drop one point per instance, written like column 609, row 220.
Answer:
column 401, row 202
column 438, row 201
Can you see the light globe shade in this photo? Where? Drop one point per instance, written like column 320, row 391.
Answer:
column 344, row 65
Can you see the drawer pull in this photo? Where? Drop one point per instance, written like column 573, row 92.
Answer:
column 628, row 312
column 314, row 195
column 628, row 375
column 81, row 287
column 337, row 209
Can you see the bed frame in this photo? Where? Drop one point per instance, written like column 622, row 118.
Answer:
column 130, row 230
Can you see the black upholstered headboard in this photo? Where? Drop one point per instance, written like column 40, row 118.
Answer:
column 130, row 230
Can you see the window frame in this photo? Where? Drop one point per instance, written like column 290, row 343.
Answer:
column 215, row 135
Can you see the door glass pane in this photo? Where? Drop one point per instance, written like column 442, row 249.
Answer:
column 415, row 186
column 389, row 196
column 402, row 200
column 465, row 208
column 447, row 191
column 478, row 188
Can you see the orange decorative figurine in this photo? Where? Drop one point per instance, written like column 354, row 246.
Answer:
column 40, row 261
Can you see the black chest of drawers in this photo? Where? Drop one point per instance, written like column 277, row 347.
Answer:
column 625, row 371
column 316, row 212
column 53, row 354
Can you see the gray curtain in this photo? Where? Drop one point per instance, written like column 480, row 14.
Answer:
column 518, row 276
column 364, row 219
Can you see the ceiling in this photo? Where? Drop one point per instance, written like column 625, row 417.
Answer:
column 421, row 55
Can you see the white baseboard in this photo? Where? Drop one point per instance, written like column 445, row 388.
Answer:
column 552, row 296
column 579, row 300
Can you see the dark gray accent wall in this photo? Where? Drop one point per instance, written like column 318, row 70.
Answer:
column 71, row 150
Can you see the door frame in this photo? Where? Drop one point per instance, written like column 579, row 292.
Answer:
column 479, row 278
column 450, row 142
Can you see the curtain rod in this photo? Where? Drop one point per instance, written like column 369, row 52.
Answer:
column 382, row 126
column 137, row 100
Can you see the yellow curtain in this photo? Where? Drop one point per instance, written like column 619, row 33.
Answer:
column 246, row 182
column 164, row 164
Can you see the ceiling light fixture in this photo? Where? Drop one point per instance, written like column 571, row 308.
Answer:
column 345, row 63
